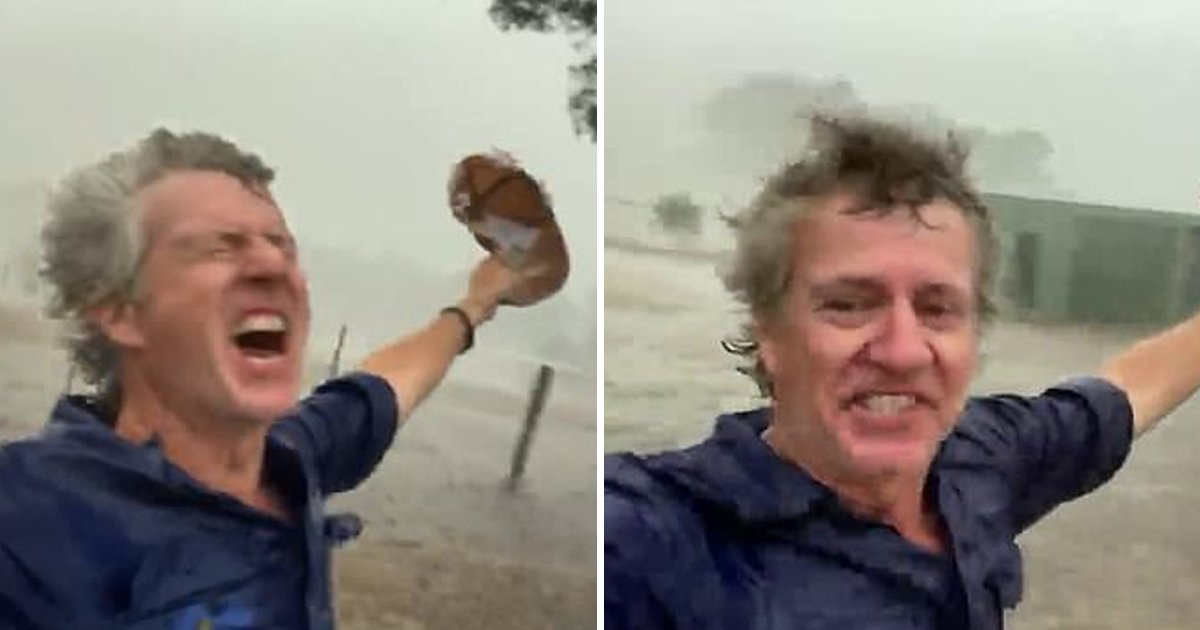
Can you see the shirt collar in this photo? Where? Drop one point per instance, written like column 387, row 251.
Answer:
column 736, row 472
column 80, row 422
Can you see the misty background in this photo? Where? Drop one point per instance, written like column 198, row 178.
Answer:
column 361, row 106
column 1086, row 101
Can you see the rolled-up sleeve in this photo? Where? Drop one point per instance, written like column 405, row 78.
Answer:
column 345, row 427
column 1056, row 446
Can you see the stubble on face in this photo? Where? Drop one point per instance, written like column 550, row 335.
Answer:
column 219, row 258
column 873, row 349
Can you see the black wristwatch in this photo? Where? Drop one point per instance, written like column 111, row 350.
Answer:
column 466, row 320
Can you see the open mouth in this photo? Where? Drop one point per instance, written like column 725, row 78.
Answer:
column 887, row 412
column 885, row 404
column 261, row 336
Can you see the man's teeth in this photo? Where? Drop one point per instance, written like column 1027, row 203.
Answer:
column 261, row 323
column 888, row 404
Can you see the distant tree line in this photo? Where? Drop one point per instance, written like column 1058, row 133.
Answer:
column 762, row 119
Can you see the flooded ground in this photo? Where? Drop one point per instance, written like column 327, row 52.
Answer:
column 1122, row 557
column 446, row 545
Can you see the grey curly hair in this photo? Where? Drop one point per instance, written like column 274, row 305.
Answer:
column 92, row 239
column 887, row 165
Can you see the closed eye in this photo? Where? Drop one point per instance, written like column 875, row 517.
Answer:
column 848, row 311
column 284, row 242
column 225, row 243
column 843, row 306
column 940, row 311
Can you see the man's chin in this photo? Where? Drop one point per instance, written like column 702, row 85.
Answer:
column 888, row 459
column 264, row 405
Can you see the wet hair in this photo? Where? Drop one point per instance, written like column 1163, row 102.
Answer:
column 93, row 241
column 887, row 167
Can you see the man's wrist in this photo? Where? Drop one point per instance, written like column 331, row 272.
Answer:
column 464, row 319
column 477, row 313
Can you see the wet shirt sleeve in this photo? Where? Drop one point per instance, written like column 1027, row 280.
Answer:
column 641, row 550
column 344, row 428
column 1054, row 447
column 628, row 602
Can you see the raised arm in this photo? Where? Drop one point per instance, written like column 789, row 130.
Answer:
column 1158, row 373
column 415, row 364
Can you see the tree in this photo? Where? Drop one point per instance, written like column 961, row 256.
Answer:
column 574, row 17
column 763, row 118
column 678, row 214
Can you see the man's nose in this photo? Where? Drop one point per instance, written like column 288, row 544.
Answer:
column 902, row 343
column 264, row 258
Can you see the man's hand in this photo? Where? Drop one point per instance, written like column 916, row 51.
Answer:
column 491, row 283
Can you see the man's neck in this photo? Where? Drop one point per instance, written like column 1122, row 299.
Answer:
column 896, row 499
column 218, row 456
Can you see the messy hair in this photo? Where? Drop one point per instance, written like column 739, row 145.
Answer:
column 888, row 168
column 93, row 241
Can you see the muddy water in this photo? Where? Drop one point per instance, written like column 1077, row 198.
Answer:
column 1123, row 557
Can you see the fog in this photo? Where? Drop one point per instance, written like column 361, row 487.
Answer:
column 361, row 106
column 1113, row 88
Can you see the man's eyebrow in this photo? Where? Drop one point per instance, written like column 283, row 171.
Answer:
column 943, row 289
column 192, row 237
column 860, row 283
column 281, row 234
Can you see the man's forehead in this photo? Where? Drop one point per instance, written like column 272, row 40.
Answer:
column 851, row 202
column 845, row 218
column 187, row 199
column 937, row 245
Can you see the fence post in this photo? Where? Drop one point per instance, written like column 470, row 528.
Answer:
column 537, row 403
column 337, row 353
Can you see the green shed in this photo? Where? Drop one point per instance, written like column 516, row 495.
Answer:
column 1068, row 261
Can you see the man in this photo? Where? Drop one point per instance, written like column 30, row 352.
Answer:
column 188, row 493
column 870, row 493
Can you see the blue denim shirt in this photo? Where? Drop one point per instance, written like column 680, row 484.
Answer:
column 97, row 532
column 725, row 534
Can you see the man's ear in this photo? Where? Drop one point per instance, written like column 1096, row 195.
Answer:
column 117, row 320
column 768, row 345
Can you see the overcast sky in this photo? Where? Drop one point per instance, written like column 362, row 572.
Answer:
column 1115, row 85
column 362, row 106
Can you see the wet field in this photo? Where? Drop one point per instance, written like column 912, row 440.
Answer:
column 446, row 544
column 1122, row 557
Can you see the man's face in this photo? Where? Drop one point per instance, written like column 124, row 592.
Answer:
column 875, row 344
column 222, row 317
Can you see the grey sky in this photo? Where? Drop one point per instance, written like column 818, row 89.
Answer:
column 362, row 106
column 1114, row 85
